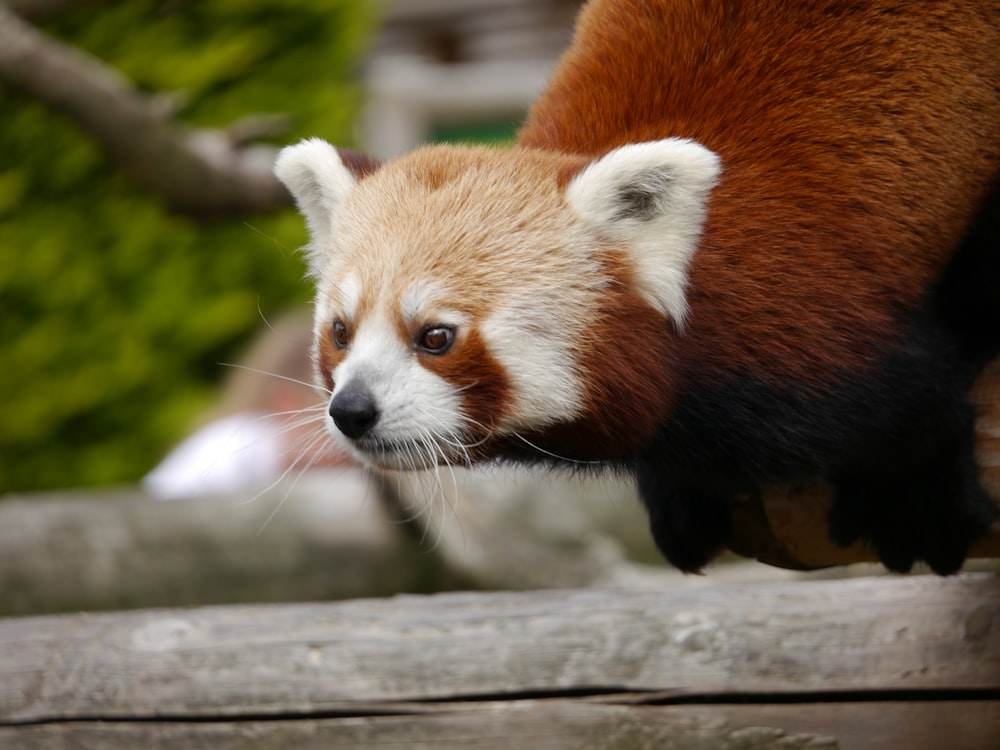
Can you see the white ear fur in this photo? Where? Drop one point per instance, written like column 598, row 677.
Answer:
column 651, row 197
column 318, row 180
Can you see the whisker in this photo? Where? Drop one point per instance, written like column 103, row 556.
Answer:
column 314, row 442
column 263, row 317
column 298, row 420
column 417, row 507
column 320, row 410
column 311, row 445
column 450, row 503
column 433, row 524
column 554, row 455
column 278, row 244
column 315, row 386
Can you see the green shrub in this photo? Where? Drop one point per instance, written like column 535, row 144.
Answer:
column 115, row 314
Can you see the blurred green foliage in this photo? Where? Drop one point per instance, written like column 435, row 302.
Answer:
column 115, row 315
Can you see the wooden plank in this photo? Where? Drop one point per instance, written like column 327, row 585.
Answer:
column 917, row 633
column 327, row 537
column 560, row 725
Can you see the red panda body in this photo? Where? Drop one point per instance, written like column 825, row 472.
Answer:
column 737, row 243
column 859, row 142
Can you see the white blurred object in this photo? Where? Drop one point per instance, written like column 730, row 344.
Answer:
column 238, row 452
column 269, row 422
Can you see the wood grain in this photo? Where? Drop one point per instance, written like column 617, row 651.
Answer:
column 886, row 664
column 886, row 634
column 560, row 724
column 330, row 538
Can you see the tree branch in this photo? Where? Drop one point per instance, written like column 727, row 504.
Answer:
column 201, row 173
column 38, row 9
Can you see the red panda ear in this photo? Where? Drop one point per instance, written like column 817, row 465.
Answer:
column 319, row 178
column 651, row 198
column 359, row 164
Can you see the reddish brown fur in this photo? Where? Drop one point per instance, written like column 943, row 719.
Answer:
column 819, row 94
column 629, row 372
column 361, row 165
column 327, row 357
column 475, row 372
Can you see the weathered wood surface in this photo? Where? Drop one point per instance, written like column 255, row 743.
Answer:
column 559, row 724
column 334, row 535
column 542, row 670
column 329, row 538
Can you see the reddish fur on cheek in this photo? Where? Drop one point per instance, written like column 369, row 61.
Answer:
column 628, row 377
column 469, row 366
column 328, row 356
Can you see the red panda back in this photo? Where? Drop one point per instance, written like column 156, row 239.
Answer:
column 858, row 140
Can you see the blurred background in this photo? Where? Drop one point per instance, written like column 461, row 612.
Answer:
column 133, row 271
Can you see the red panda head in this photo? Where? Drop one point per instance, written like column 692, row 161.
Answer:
column 472, row 298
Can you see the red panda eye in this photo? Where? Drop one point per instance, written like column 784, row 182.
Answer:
column 436, row 340
column 341, row 336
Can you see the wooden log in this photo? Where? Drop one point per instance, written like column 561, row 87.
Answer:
column 120, row 549
column 559, row 725
column 335, row 535
column 804, row 664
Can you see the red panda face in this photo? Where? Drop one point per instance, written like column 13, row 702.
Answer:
column 462, row 293
column 410, row 383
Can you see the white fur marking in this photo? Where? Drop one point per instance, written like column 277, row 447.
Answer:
column 418, row 298
column 423, row 302
column 414, row 404
column 349, row 291
column 651, row 196
column 318, row 180
column 535, row 353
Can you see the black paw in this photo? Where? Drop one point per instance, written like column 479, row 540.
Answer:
column 865, row 508
column 945, row 531
column 933, row 515
column 689, row 527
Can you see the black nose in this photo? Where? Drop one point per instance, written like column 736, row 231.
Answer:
column 353, row 410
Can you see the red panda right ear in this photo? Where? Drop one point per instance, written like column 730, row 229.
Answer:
column 651, row 197
column 319, row 177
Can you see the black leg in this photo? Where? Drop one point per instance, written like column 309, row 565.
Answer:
column 867, row 506
column 950, row 509
column 690, row 527
column 930, row 509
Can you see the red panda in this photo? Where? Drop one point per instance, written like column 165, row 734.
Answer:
column 735, row 243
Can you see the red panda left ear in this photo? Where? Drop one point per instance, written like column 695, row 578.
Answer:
column 650, row 197
column 319, row 177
